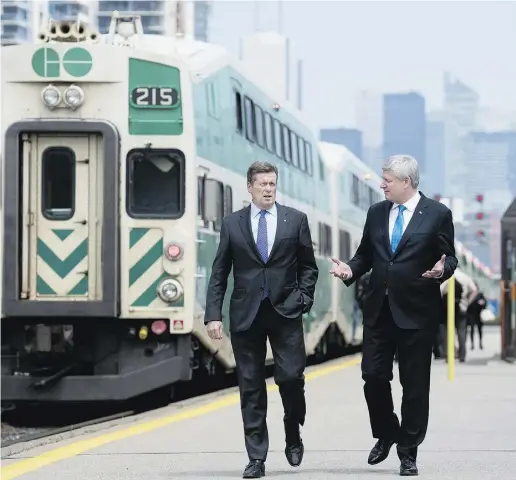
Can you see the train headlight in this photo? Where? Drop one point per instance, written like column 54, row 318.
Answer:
column 170, row 290
column 74, row 96
column 51, row 96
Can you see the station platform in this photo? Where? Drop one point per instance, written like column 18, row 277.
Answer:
column 471, row 434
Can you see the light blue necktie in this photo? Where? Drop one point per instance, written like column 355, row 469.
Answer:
column 262, row 243
column 397, row 231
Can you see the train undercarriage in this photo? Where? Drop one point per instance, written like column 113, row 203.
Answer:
column 109, row 360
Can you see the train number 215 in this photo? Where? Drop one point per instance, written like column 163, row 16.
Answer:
column 154, row 96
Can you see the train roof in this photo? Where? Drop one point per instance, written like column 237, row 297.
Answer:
column 460, row 249
column 204, row 59
column 337, row 158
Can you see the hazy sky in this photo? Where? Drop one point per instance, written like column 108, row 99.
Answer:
column 385, row 46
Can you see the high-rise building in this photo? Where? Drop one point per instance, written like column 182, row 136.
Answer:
column 461, row 103
column 20, row 20
column 160, row 16
column 202, row 13
column 489, row 159
column 404, row 126
column 461, row 107
column 84, row 11
column 490, row 168
column 434, row 177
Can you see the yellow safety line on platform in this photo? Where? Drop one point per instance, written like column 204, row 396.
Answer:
column 61, row 453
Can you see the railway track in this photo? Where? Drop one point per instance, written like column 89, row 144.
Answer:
column 29, row 423
column 12, row 435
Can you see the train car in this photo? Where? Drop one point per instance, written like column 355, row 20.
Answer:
column 122, row 154
column 98, row 227
column 354, row 188
column 473, row 267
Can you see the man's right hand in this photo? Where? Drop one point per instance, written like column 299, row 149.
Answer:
column 214, row 329
column 341, row 270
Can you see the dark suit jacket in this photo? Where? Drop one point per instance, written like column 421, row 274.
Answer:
column 290, row 272
column 415, row 301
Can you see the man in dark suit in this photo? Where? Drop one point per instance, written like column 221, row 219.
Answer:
column 270, row 249
column 408, row 242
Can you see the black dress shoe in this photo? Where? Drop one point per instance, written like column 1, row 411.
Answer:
column 408, row 468
column 294, row 449
column 254, row 469
column 380, row 451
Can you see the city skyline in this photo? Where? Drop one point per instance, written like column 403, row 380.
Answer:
column 422, row 52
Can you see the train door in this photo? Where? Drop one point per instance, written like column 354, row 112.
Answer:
column 59, row 251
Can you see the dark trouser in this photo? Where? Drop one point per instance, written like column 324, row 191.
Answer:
column 287, row 342
column 461, row 329
column 438, row 348
column 414, row 348
column 473, row 320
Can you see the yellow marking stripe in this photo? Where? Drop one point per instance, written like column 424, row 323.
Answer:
column 25, row 466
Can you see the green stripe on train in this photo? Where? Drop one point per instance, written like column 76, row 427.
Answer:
column 62, row 268
column 149, row 292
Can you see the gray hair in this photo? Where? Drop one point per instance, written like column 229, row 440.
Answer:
column 402, row 167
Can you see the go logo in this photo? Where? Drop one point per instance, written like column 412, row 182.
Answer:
column 77, row 62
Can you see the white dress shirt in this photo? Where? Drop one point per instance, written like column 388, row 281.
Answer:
column 272, row 220
column 407, row 214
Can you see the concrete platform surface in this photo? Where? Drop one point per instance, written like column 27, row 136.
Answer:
column 471, row 436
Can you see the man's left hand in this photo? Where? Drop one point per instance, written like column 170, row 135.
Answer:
column 437, row 271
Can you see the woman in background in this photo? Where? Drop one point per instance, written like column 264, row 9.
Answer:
column 477, row 304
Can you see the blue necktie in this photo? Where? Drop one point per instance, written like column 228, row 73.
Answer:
column 397, row 231
column 262, row 243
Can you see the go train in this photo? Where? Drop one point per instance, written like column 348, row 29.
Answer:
column 121, row 155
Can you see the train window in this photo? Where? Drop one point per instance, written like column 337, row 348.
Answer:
column 211, row 99
column 200, row 182
column 58, row 183
column 308, row 158
column 269, row 133
column 155, row 183
column 321, row 236
column 293, row 149
column 258, row 116
column 301, row 152
column 239, row 117
column 228, row 200
column 373, row 196
column 344, row 245
column 355, row 190
column 325, row 240
column 200, row 199
column 278, row 143
column 220, row 200
column 287, row 152
column 321, row 168
column 250, row 126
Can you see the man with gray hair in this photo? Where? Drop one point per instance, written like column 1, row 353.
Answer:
column 408, row 244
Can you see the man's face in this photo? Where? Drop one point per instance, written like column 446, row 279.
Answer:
column 394, row 189
column 263, row 190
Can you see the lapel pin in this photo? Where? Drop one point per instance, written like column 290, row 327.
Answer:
column 420, row 212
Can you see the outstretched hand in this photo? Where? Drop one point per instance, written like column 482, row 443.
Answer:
column 340, row 269
column 437, row 270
